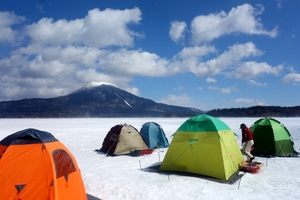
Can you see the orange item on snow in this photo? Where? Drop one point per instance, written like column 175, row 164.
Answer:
column 248, row 166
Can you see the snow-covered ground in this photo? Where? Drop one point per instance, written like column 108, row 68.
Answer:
column 123, row 177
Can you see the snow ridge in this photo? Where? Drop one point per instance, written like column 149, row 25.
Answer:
column 123, row 100
column 95, row 84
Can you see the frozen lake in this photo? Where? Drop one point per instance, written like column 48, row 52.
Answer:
column 121, row 178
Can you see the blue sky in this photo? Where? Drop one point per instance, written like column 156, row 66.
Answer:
column 193, row 53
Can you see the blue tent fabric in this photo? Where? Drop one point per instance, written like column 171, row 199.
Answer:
column 153, row 135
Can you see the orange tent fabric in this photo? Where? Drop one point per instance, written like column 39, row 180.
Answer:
column 35, row 165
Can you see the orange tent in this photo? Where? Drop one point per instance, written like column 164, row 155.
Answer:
column 35, row 165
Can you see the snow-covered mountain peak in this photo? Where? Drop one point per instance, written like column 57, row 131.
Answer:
column 92, row 85
column 95, row 84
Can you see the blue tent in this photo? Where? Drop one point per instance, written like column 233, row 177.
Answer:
column 153, row 135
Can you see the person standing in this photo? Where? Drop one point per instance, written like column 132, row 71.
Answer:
column 247, row 141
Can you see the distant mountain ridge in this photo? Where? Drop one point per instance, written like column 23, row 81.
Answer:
column 106, row 100
column 257, row 111
column 93, row 100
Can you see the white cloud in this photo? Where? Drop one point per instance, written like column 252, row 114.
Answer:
column 189, row 57
column 213, row 88
column 291, row 69
column 238, row 20
column 291, row 77
column 226, row 60
column 178, row 88
column 181, row 100
column 136, row 63
column 132, row 90
column 177, row 31
column 279, row 4
column 249, row 101
column 84, row 56
column 253, row 82
column 121, row 62
column 226, row 90
column 98, row 29
column 243, row 100
column 40, row 8
column 7, row 34
column 252, row 69
column 85, row 76
column 195, row 52
column 210, row 80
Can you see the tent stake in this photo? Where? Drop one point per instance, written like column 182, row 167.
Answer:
column 239, row 182
column 140, row 166
column 158, row 157
column 267, row 162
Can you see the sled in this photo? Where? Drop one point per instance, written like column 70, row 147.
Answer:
column 141, row 152
column 248, row 166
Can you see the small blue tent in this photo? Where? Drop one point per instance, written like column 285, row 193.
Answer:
column 153, row 135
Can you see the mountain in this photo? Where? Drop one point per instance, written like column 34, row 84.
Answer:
column 93, row 100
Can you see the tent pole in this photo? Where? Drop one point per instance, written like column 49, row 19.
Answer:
column 158, row 156
column 239, row 183
column 140, row 165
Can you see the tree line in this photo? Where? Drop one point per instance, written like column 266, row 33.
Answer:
column 257, row 111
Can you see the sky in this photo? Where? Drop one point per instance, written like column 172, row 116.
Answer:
column 191, row 53
column 126, row 177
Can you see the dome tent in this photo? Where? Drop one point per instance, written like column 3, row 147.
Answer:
column 204, row 145
column 154, row 135
column 271, row 138
column 123, row 139
column 35, row 165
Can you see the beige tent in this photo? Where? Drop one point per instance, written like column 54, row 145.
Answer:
column 122, row 139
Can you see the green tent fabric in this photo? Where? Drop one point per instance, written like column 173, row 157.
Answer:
column 204, row 145
column 271, row 138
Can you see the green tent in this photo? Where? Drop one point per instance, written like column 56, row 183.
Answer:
column 271, row 138
column 204, row 145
